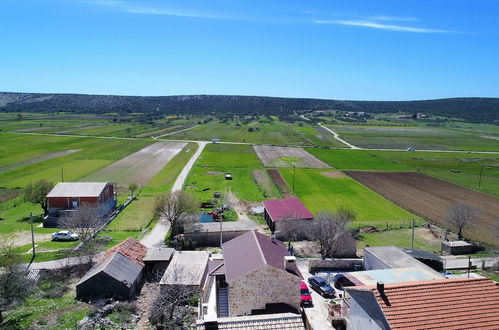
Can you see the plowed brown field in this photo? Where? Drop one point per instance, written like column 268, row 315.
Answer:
column 430, row 198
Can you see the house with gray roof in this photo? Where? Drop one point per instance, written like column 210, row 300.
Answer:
column 118, row 274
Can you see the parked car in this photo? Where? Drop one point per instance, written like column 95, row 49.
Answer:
column 321, row 286
column 305, row 296
column 65, row 235
column 341, row 281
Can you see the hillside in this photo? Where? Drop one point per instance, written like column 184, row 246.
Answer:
column 470, row 109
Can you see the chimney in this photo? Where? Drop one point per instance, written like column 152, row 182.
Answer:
column 290, row 262
column 381, row 288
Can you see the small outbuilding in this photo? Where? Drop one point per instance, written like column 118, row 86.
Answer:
column 156, row 261
column 457, row 247
column 277, row 210
column 118, row 274
column 187, row 268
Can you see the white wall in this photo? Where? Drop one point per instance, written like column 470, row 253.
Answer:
column 359, row 319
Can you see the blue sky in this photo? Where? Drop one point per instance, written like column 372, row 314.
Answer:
column 362, row 50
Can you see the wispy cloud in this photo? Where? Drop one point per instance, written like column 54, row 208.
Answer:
column 381, row 26
column 131, row 8
column 392, row 18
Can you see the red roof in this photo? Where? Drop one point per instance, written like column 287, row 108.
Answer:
column 440, row 304
column 129, row 248
column 251, row 251
column 279, row 209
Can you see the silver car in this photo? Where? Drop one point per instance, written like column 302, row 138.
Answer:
column 65, row 235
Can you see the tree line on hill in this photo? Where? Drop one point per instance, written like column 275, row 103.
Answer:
column 471, row 109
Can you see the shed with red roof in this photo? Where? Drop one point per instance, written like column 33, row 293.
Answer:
column 291, row 208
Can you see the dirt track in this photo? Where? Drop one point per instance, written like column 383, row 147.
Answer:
column 430, row 198
column 271, row 156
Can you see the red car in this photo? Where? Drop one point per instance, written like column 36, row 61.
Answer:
column 305, row 297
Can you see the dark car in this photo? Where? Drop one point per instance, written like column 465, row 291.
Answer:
column 340, row 281
column 321, row 286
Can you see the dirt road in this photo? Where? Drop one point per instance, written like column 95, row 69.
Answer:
column 157, row 235
column 337, row 137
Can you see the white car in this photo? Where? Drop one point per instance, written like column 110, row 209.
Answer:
column 65, row 235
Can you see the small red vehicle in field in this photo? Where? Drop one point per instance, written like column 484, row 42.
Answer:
column 305, row 296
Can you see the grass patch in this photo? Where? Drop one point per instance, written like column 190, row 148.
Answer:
column 400, row 238
column 319, row 192
column 354, row 159
column 135, row 217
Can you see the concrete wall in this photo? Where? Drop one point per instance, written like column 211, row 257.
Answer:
column 373, row 263
column 213, row 238
column 333, row 264
column 359, row 319
column 261, row 287
column 301, row 226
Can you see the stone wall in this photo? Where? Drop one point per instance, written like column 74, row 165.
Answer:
column 263, row 286
column 333, row 264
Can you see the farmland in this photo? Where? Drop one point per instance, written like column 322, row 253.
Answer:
column 218, row 159
column 430, row 198
column 139, row 167
column 259, row 131
column 323, row 192
column 457, row 167
column 287, row 157
column 425, row 138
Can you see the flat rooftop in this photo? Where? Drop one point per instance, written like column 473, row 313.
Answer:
column 159, row 254
column 214, row 227
column 186, row 268
column 456, row 243
column 394, row 257
column 387, row 276
column 77, row 189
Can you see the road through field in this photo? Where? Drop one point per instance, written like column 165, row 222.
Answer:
column 156, row 236
column 337, row 137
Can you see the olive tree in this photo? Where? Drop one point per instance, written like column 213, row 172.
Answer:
column 37, row 193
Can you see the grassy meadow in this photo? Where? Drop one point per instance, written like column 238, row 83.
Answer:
column 259, row 132
column 424, row 137
column 320, row 192
column 218, row 159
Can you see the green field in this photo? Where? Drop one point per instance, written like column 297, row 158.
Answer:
column 344, row 159
column 461, row 168
column 401, row 238
column 218, row 159
column 425, row 138
column 268, row 132
column 319, row 192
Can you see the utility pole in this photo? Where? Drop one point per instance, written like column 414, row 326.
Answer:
column 294, row 170
column 62, row 174
column 412, row 240
column 32, row 233
column 480, row 179
column 469, row 265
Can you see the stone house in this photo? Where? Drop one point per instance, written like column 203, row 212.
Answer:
column 260, row 276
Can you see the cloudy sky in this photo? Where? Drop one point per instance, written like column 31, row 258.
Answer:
column 362, row 50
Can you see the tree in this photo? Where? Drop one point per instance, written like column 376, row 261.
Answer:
column 14, row 285
column 178, row 208
column 291, row 228
column 86, row 221
column 174, row 302
column 37, row 193
column 462, row 216
column 132, row 187
column 329, row 232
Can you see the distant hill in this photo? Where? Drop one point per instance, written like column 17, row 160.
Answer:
column 470, row 108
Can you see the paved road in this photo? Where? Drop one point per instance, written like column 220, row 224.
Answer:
column 451, row 262
column 316, row 315
column 156, row 236
column 337, row 137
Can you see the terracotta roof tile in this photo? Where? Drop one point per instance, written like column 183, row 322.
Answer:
column 130, row 249
column 438, row 304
